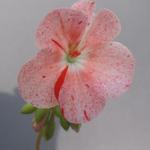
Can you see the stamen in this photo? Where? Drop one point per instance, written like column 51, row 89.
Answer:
column 74, row 53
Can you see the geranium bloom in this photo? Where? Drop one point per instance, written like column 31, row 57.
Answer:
column 79, row 66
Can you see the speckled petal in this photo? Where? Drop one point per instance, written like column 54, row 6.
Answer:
column 79, row 101
column 85, row 6
column 37, row 78
column 61, row 27
column 112, row 69
column 104, row 29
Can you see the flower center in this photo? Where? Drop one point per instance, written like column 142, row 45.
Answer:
column 72, row 56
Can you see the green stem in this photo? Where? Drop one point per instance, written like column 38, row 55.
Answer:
column 38, row 141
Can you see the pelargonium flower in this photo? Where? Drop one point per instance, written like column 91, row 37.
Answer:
column 79, row 66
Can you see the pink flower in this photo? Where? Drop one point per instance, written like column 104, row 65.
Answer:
column 78, row 67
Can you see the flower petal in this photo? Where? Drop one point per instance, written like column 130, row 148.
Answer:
column 104, row 29
column 85, row 6
column 37, row 78
column 112, row 69
column 61, row 27
column 78, row 100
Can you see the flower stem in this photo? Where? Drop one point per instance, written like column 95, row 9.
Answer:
column 38, row 141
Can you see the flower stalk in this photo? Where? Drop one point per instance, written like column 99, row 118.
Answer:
column 38, row 141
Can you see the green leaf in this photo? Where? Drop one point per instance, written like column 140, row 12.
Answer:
column 40, row 114
column 64, row 123
column 75, row 127
column 57, row 111
column 48, row 130
column 28, row 109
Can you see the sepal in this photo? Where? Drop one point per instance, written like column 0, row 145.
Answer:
column 40, row 114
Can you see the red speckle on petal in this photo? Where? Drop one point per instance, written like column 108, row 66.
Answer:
column 60, row 82
column 127, row 85
column 128, row 55
column 79, row 22
column 72, row 97
column 43, row 76
column 87, row 85
column 92, row 3
column 86, row 116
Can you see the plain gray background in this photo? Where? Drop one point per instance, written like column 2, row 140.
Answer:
column 123, row 125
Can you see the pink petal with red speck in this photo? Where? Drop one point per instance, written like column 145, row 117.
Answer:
column 104, row 29
column 112, row 69
column 85, row 6
column 61, row 27
column 78, row 100
column 37, row 78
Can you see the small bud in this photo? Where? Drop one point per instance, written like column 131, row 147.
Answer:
column 28, row 109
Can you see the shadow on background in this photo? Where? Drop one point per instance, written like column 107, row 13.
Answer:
column 15, row 129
